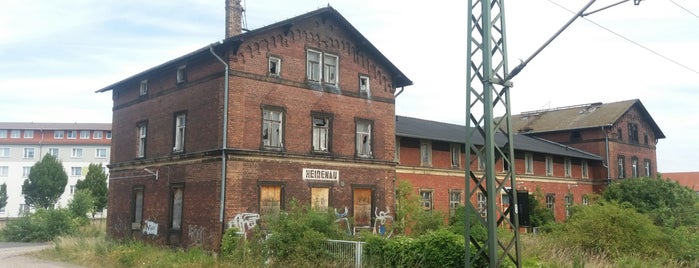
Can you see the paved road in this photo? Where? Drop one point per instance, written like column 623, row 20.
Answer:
column 13, row 255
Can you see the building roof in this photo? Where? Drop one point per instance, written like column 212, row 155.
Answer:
column 438, row 131
column 689, row 179
column 593, row 115
column 55, row 126
column 399, row 79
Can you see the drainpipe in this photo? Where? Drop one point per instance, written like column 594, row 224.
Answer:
column 606, row 151
column 224, row 138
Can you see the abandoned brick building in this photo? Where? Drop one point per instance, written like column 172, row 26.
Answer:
column 304, row 109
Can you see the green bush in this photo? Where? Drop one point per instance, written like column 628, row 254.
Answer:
column 80, row 206
column 456, row 224
column 612, row 230
column 43, row 225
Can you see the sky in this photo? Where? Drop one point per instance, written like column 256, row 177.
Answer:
column 54, row 55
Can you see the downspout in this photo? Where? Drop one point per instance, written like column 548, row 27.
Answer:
column 606, row 152
column 224, row 138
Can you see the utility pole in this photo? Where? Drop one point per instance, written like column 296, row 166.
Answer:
column 488, row 83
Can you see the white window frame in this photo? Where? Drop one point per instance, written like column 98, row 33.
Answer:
column 181, row 74
column 142, row 133
column 427, row 198
column 58, row 134
column 621, row 166
column 528, row 163
column 425, row 153
column 646, row 167
column 313, row 65
column 454, row 200
column 28, row 153
column 143, row 87
column 634, row 167
column 100, row 152
column 274, row 66
column 549, row 165
column 73, row 189
column 569, row 204
column 5, row 152
column 15, row 134
column 97, row 135
column 180, row 129
column 482, row 203
column 4, row 171
column 28, row 134
column 72, row 134
column 3, row 133
column 321, row 133
column 364, row 85
column 76, row 171
column 567, row 167
column 322, row 67
column 84, row 134
column 76, row 152
column 108, row 135
column 26, row 171
column 363, row 141
column 584, row 168
column 52, row 149
column 331, row 63
column 481, row 163
column 455, row 151
column 551, row 201
column 585, row 200
column 272, row 121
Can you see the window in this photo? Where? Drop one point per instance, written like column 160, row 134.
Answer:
column 551, row 201
column 330, row 69
column 585, row 168
column 575, row 136
column 363, row 138
column 26, row 171
column 180, row 124
column 4, row 171
column 645, row 139
column 619, row 134
column 28, row 153
column 329, row 63
column 101, row 153
column 143, row 88
column 137, row 207
column 454, row 200
column 275, row 66
column 633, row 133
column 72, row 189
column 24, row 209
column 505, row 164
column 567, row 167
column 364, row 89
column 313, row 65
column 396, row 156
column 14, row 134
column 481, row 163
column 177, row 196
column 53, row 152
column 321, row 133
column 58, row 134
column 28, row 134
column 320, row 197
column 529, row 163
column 84, row 134
column 97, row 135
column 427, row 199
column 76, row 171
column 270, row 199
column 620, row 167
column 569, row 204
column 482, row 202
column 142, row 131
column 181, row 74
column 72, row 134
column 4, row 152
column 634, row 167
column 76, row 153
column 425, row 153
column 108, row 135
column 3, row 133
column 646, row 167
column 455, row 155
column 362, row 206
column 272, row 128
column 585, row 200
column 549, row 165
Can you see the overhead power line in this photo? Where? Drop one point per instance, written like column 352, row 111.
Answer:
column 685, row 9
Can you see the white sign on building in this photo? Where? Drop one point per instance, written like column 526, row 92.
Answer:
column 320, row 174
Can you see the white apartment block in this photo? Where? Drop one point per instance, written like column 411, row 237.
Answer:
column 23, row 144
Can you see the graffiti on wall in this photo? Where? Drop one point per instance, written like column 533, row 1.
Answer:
column 151, row 228
column 196, row 234
column 244, row 222
column 383, row 218
column 342, row 217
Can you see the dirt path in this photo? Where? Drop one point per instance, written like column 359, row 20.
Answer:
column 14, row 255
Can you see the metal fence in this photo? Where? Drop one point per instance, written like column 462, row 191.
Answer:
column 346, row 253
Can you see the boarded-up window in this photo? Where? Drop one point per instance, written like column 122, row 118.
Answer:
column 270, row 199
column 177, row 194
column 362, row 207
column 319, row 198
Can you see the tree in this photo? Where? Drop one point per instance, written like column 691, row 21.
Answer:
column 3, row 195
column 47, row 181
column 81, row 204
column 96, row 182
column 666, row 202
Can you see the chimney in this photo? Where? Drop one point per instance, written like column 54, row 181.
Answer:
column 234, row 15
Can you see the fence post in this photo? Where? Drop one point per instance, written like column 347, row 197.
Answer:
column 358, row 255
